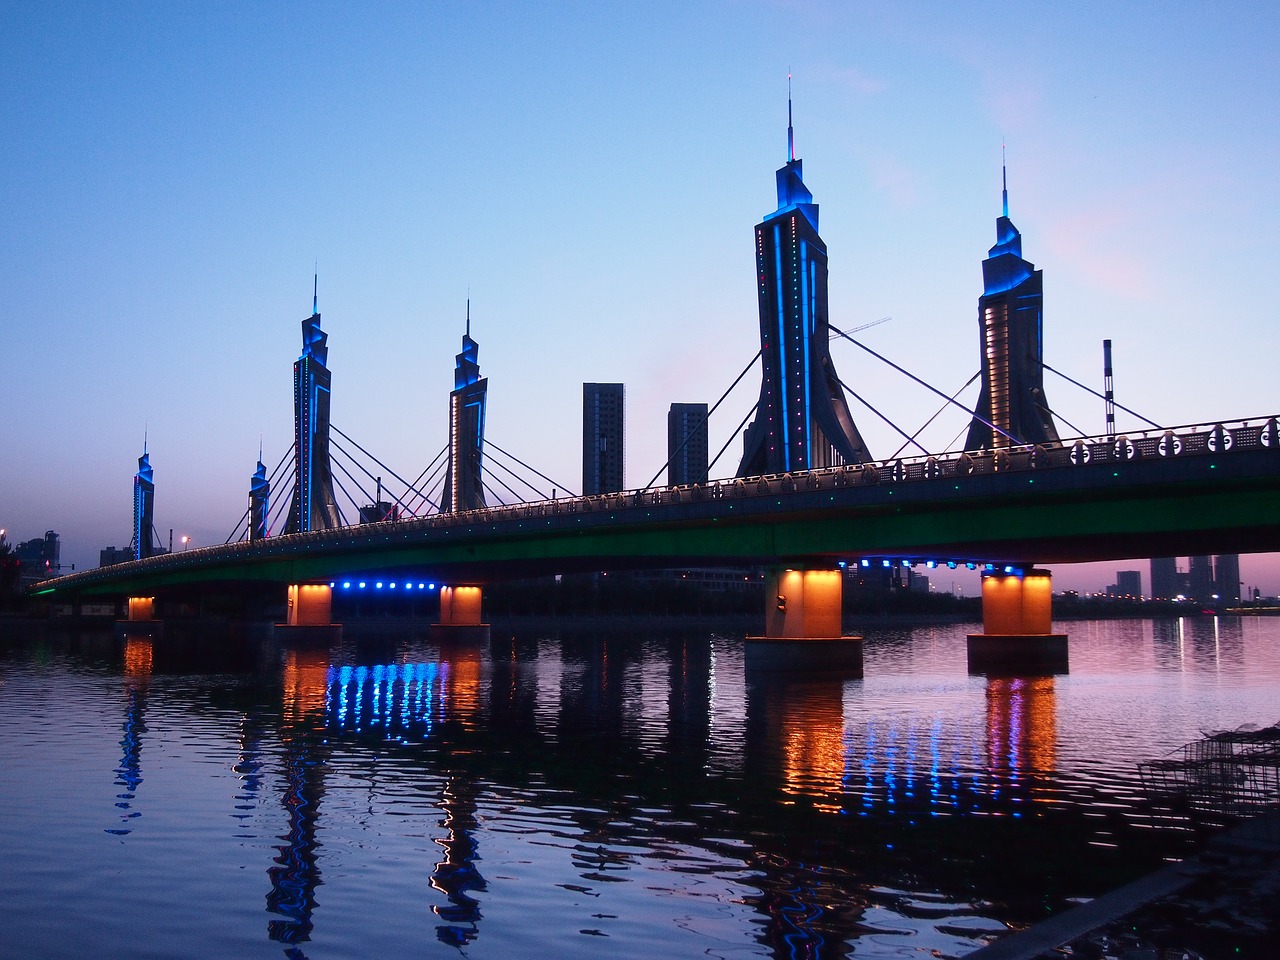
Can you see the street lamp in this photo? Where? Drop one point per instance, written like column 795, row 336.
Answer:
column 185, row 541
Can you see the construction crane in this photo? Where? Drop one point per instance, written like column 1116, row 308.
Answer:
column 837, row 332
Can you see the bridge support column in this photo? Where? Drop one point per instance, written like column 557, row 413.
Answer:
column 310, row 615
column 1017, row 624
column 141, row 618
column 802, row 623
column 460, row 615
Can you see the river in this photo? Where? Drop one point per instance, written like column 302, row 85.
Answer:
column 612, row 790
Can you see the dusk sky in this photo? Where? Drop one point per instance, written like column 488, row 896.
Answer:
column 589, row 175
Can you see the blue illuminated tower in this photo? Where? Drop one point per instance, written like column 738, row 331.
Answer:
column 463, row 487
column 144, row 498
column 802, row 420
column 259, row 501
column 314, row 507
column 1011, row 328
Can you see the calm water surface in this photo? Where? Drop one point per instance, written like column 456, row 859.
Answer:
column 594, row 794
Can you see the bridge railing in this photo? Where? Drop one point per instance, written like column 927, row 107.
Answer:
column 1212, row 439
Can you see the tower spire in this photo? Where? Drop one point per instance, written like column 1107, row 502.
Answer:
column 315, row 290
column 1004, row 180
column 468, row 316
column 791, row 137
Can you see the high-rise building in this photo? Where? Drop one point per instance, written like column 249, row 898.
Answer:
column 687, row 443
column 1129, row 583
column 314, row 506
column 144, row 499
column 1164, row 578
column 1200, row 583
column 802, row 420
column 1012, row 408
column 603, row 447
column 1226, row 574
column 38, row 559
column 463, row 484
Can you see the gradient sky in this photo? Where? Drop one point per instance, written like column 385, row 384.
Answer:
column 590, row 175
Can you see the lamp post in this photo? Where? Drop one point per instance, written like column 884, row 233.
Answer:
column 185, row 541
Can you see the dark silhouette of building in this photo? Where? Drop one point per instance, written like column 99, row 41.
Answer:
column 603, row 444
column 1226, row 573
column 802, row 420
column 109, row 556
column 1165, row 581
column 259, row 502
column 1012, row 408
column 687, row 443
column 314, row 506
column 38, row 559
column 1128, row 584
column 463, row 483
column 144, row 500
column 1200, row 582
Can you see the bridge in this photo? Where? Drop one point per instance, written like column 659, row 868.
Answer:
column 808, row 498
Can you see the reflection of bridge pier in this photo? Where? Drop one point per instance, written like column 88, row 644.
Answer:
column 456, row 875
column 296, row 874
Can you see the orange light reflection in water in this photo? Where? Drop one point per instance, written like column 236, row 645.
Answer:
column 138, row 656
column 812, row 741
column 305, row 680
column 1022, row 727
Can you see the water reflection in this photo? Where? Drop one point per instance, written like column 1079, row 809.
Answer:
column 1199, row 642
column 138, row 657
column 296, row 873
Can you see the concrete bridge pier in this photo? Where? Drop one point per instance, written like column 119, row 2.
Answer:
column 310, row 613
column 460, row 615
column 1017, row 624
column 802, row 623
column 140, row 619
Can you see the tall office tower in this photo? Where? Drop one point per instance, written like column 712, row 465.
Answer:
column 1011, row 332
column 1226, row 573
column 463, row 487
column 1129, row 583
column 314, row 507
column 1200, row 584
column 802, row 420
column 687, row 443
column 603, row 424
column 144, row 502
column 1164, row 578
column 259, row 501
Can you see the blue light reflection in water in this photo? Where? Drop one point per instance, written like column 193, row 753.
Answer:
column 598, row 792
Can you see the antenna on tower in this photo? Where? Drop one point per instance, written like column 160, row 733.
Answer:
column 468, row 316
column 791, row 137
column 315, row 290
column 1004, row 181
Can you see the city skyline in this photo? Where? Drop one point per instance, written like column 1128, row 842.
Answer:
column 164, row 213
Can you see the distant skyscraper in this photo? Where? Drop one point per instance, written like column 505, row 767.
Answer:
column 1164, row 578
column 1200, row 583
column 687, row 443
column 1011, row 331
column 144, row 501
column 802, row 420
column 603, row 446
column 314, row 507
column 463, row 487
column 1129, row 583
column 1226, row 573
column 259, row 501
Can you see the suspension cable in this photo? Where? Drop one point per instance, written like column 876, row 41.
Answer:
column 1100, row 397
column 733, row 436
column 898, row 452
column 554, row 483
column 927, row 386
column 705, row 418
column 902, row 432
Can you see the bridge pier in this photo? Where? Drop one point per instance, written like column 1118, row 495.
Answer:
column 310, row 615
column 460, row 615
column 140, row 619
column 1017, row 624
column 802, row 623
